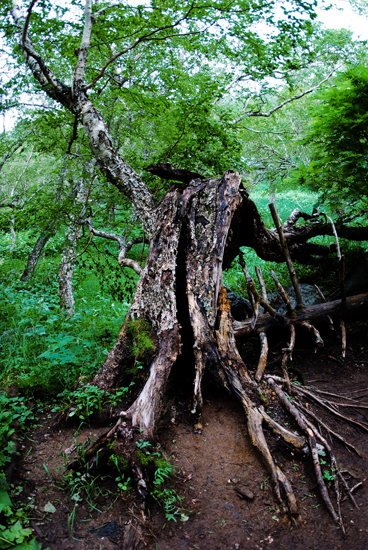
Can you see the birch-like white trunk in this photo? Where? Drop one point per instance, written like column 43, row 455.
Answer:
column 75, row 99
column 66, row 270
column 12, row 230
column 69, row 254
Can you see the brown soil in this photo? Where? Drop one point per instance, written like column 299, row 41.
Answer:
column 210, row 467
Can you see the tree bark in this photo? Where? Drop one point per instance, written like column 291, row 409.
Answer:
column 66, row 269
column 178, row 295
column 194, row 233
column 36, row 254
column 12, row 229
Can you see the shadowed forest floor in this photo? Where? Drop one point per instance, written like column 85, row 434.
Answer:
column 209, row 468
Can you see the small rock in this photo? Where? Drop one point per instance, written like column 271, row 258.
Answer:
column 240, row 307
column 70, row 449
column 243, row 492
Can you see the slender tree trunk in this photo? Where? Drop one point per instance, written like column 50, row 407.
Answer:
column 45, row 235
column 69, row 253
column 35, row 255
column 12, row 229
column 67, row 269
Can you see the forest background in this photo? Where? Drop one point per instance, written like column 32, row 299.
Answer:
column 289, row 114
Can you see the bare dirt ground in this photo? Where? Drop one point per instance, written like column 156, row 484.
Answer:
column 209, row 468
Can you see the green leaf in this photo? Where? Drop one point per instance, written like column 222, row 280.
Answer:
column 4, row 500
column 50, row 508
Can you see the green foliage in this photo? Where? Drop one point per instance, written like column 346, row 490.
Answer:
column 12, row 411
column 139, row 334
column 16, row 536
column 286, row 202
column 105, row 268
column 14, row 414
column 167, row 497
column 121, row 465
column 84, row 401
column 41, row 350
column 88, row 400
column 328, row 476
column 338, row 134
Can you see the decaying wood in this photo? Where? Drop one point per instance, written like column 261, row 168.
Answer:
column 313, row 332
column 194, row 232
column 282, row 293
column 262, row 284
column 343, row 338
column 288, row 354
column 327, row 428
column 285, row 250
column 165, row 171
column 355, row 308
column 262, row 363
column 326, row 405
column 303, row 424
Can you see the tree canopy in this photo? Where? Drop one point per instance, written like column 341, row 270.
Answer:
column 339, row 142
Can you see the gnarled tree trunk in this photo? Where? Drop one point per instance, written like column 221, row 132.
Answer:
column 178, row 291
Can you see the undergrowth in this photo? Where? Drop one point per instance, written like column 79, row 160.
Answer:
column 14, row 530
column 41, row 350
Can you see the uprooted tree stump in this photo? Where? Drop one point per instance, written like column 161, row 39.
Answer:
column 180, row 297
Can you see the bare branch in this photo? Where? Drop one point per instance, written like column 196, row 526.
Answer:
column 283, row 103
column 128, row 262
column 282, row 292
column 289, row 263
column 123, row 243
column 26, row 23
column 121, row 240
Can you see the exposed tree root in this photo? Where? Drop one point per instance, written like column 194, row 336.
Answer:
column 328, row 429
column 305, row 427
column 328, row 406
column 262, row 363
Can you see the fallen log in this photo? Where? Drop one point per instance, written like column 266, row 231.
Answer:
column 356, row 308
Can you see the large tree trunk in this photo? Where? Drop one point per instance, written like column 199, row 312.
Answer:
column 178, row 292
column 180, row 295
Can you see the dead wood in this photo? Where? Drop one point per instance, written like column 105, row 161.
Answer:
column 262, row 363
column 304, row 425
column 356, row 308
column 327, row 428
column 180, row 297
column 165, row 171
column 285, row 250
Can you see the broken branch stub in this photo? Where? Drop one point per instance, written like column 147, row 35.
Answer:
column 285, row 250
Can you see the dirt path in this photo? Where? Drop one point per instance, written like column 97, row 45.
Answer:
column 210, row 467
